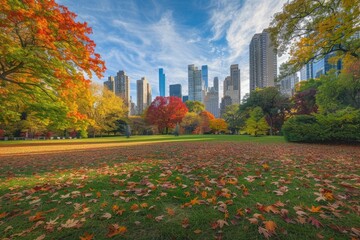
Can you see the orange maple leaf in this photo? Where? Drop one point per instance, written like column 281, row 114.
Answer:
column 315, row 209
column 134, row 207
column 194, row 201
column 87, row 236
column 116, row 230
column 270, row 226
column 170, row 211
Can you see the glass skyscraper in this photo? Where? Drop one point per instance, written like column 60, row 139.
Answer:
column 161, row 82
column 175, row 90
column 204, row 75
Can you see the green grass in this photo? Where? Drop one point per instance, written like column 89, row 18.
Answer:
column 167, row 172
column 166, row 138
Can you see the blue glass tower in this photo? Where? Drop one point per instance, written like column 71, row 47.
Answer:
column 204, row 75
column 161, row 82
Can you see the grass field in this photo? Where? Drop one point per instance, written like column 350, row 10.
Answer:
column 187, row 187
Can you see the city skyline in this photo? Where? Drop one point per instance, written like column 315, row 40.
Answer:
column 173, row 35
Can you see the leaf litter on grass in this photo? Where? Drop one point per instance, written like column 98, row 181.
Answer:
column 212, row 190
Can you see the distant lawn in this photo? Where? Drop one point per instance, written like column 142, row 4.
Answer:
column 199, row 187
column 210, row 137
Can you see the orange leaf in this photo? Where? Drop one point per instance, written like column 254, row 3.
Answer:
column 87, row 236
column 270, row 226
column 116, row 230
column 203, row 194
column 194, row 201
column 315, row 209
column 134, row 207
column 3, row 215
column 170, row 211
column 98, row 194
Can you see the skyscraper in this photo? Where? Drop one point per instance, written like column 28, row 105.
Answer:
column 161, row 82
column 212, row 99
column 122, row 87
column 204, row 75
column 263, row 61
column 235, row 81
column 216, row 84
column 143, row 94
column 195, row 84
column 110, row 83
column 175, row 90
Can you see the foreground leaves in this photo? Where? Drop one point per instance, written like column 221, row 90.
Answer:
column 197, row 190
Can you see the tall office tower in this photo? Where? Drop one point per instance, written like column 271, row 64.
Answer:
column 263, row 61
column 235, row 81
column 175, row 90
column 216, row 84
column 161, row 82
column 143, row 94
column 212, row 99
column 110, row 83
column 195, row 84
column 122, row 87
column 204, row 75
column 227, row 86
column 185, row 98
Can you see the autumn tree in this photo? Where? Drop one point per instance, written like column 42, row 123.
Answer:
column 218, row 125
column 44, row 55
column 304, row 99
column 256, row 125
column 106, row 110
column 312, row 29
column 166, row 112
column 206, row 117
column 191, row 122
column 195, row 106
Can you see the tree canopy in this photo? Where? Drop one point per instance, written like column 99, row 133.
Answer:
column 44, row 57
column 166, row 112
column 195, row 106
column 312, row 29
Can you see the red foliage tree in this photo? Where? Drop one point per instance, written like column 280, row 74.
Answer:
column 165, row 112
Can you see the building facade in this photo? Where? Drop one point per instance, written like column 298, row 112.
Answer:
column 316, row 68
column 205, row 76
column 122, row 87
column 162, row 82
column 195, row 84
column 225, row 101
column 212, row 99
column 143, row 94
column 110, row 83
column 185, row 98
column 262, row 61
column 175, row 90
column 288, row 83
column 236, row 84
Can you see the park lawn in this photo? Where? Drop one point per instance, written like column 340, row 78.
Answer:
column 162, row 187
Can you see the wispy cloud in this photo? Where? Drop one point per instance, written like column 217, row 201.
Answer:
column 173, row 34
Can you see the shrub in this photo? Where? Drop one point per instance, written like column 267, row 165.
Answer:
column 302, row 128
column 341, row 126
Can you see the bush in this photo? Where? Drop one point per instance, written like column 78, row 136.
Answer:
column 302, row 128
column 341, row 126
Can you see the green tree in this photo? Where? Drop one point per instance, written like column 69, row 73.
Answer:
column 275, row 106
column 195, row 106
column 234, row 118
column 312, row 29
column 338, row 92
column 256, row 125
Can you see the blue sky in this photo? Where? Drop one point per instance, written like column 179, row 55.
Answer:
column 140, row 36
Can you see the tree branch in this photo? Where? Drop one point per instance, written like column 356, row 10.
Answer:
column 21, row 84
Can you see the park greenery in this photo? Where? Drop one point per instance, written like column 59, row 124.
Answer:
column 47, row 61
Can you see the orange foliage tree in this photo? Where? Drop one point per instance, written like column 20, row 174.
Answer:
column 166, row 112
column 205, row 122
column 45, row 55
column 218, row 125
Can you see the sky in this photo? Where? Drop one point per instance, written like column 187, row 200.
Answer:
column 141, row 36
